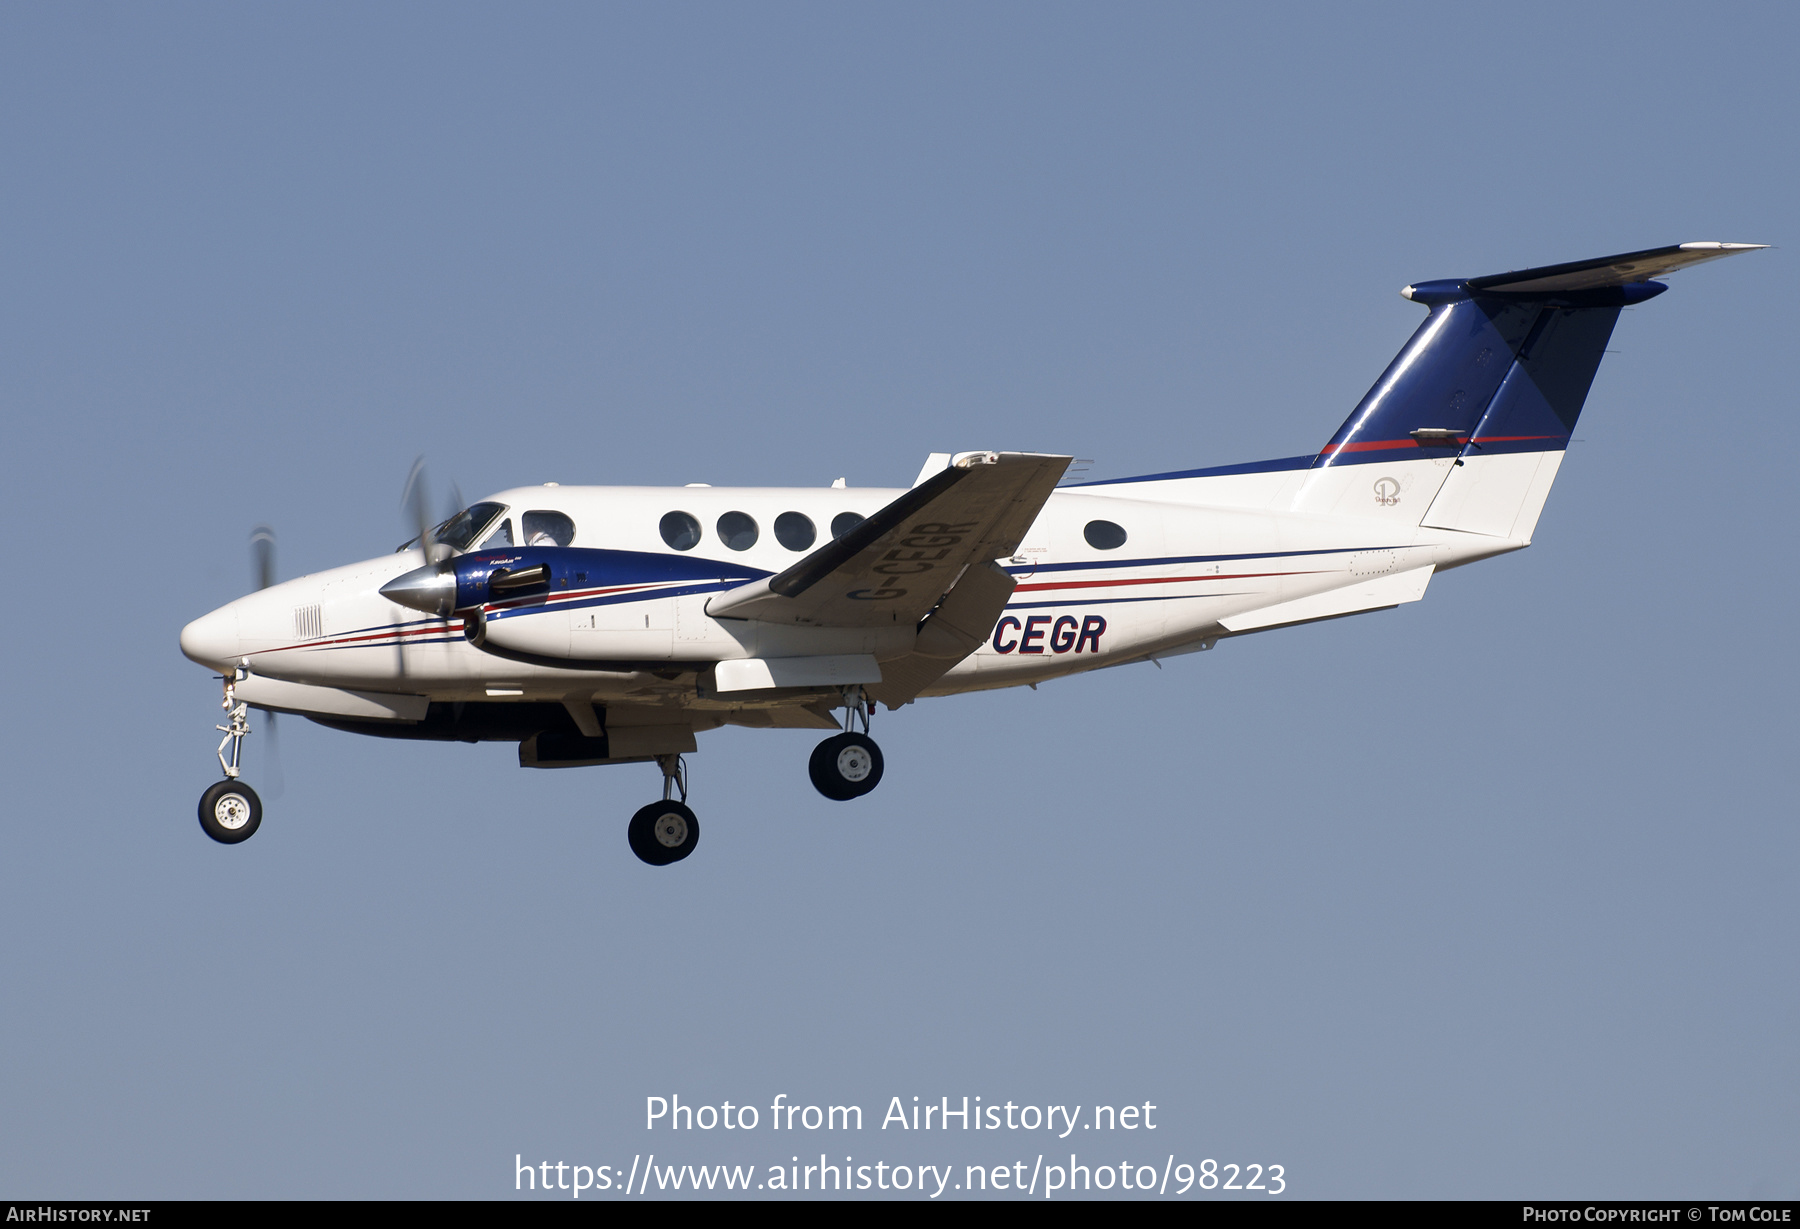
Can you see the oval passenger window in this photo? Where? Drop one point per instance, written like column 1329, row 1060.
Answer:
column 1104, row 535
column 547, row 529
column 737, row 530
column 795, row 531
column 844, row 522
column 680, row 531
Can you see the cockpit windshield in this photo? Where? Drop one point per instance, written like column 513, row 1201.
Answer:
column 464, row 528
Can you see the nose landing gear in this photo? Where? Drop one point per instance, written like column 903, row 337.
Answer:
column 230, row 811
column 848, row 765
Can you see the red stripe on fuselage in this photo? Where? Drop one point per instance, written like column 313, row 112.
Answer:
column 1377, row 445
column 391, row 633
column 1152, row 580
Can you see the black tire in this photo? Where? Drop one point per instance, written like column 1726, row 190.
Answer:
column 663, row 832
column 230, row 812
column 845, row 766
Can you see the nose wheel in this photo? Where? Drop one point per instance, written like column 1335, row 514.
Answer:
column 230, row 811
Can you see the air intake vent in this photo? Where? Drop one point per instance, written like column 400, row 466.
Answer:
column 309, row 624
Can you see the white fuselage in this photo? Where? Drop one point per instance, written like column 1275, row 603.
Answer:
column 1201, row 558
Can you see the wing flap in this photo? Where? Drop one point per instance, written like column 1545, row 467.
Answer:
column 961, row 624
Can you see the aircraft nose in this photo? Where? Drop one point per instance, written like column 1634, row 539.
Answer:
column 212, row 640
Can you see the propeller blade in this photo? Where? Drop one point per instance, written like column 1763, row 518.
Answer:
column 262, row 555
column 414, row 478
column 417, row 503
column 416, row 500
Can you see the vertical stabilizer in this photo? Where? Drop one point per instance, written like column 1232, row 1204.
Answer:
column 1513, row 453
column 1467, row 426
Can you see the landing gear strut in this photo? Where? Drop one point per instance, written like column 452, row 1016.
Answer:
column 848, row 765
column 230, row 811
column 666, row 831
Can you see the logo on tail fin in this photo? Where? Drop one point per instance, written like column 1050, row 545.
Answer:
column 1387, row 492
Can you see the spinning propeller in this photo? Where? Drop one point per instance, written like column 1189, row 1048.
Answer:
column 416, row 503
column 262, row 566
column 262, row 555
column 434, row 578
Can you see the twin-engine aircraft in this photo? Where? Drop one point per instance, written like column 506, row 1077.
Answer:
column 613, row 625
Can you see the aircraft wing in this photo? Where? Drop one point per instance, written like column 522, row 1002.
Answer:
column 895, row 566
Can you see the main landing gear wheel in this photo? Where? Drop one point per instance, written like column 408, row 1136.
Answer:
column 230, row 812
column 664, row 832
column 845, row 766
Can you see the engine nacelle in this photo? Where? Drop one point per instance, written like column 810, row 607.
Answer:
column 575, row 604
column 506, row 579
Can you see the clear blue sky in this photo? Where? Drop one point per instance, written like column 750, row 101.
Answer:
column 1490, row 896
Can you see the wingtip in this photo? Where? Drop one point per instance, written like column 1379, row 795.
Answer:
column 1715, row 246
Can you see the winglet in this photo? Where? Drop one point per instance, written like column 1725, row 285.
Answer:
column 936, row 463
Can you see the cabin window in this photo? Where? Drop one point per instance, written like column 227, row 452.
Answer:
column 680, row 531
column 844, row 522
column 737, row 530
column 463, row 528
column 548, row 529
column 795, row 531
column 1104, row 535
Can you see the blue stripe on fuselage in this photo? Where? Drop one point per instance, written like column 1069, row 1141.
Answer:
column 575, row 568
column 1215, row 471
column 1165, row 561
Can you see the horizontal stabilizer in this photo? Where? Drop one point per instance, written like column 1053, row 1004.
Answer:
column 1605, row 271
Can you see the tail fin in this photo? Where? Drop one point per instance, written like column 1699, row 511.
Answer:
column 1466, row 427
